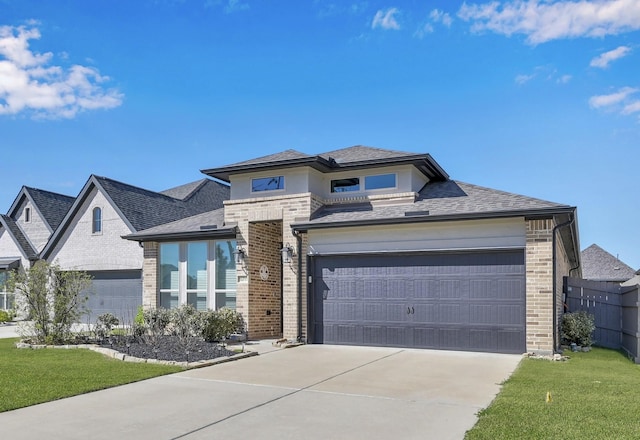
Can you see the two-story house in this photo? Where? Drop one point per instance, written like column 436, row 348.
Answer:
column 367, row 246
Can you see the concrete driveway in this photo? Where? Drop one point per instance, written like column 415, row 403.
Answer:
column 308, row 392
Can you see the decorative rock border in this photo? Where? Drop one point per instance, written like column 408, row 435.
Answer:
column 126, row 358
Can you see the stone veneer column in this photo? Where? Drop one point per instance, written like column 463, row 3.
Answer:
column 150, row 275
column 539, row 282
column 289, row 209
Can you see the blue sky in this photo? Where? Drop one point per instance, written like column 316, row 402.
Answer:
column 540, row 98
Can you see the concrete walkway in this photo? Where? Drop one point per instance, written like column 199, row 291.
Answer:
column 8, row 330
column 308, row 392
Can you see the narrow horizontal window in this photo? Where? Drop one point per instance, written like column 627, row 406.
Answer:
column 380, row 181
column 267, row 184
column 345, row 185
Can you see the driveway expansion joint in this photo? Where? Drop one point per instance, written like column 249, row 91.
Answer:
column 295, row 391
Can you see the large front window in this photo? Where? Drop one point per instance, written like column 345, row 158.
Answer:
column 201, row 273
column 6, row 298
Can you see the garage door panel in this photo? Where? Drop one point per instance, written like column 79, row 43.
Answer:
column 115, row 292
column 464, row 301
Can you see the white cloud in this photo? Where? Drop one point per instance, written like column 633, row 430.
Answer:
column 234, row 6
column 523, row 79
column 633, row 107
column 602, row 61
column 438, row 16
column 546, row 73
column 564, row 79
column 29, row 84
column 386, row 19
column 543, row 21
column 612, row 99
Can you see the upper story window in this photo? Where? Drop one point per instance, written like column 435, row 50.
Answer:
column 96, row 220
column 267, row 184
column 376, row 181
column 380, row 181
column 27, row 215
column 345, row 185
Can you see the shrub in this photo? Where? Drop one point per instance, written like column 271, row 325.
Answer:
column 578, row 328
column 156, row 321
column 218, row 325
column 4, row 316
column 104, row 324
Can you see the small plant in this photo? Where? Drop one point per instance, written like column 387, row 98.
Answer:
column 4, row 316
column 578, row 328
column 218, row 325
column 105, row 325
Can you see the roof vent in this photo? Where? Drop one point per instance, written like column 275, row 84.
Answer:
column 208, row 227
column 416, row 213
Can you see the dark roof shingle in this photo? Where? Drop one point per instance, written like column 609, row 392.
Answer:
column 52, row 206
column 448, row 198
column 600, row 265
column 19, row 237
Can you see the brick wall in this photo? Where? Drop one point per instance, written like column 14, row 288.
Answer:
column 264, row 296
column 150, row 275
column 539, row 290
column 287, row 209
column 540, row 282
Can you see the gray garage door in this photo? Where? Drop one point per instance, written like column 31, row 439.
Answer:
column 116, row 292
column 457, row 301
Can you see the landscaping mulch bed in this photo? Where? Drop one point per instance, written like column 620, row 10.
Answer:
column 167, row 348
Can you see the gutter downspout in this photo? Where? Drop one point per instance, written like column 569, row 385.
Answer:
column 299, row 252
column 555, row 288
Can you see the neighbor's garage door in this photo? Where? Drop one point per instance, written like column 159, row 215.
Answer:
column 458, row 301
column 116, row 292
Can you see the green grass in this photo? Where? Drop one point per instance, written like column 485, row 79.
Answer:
column 28, row 377
column 594, row 395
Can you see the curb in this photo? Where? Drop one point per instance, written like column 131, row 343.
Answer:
column 108, row 352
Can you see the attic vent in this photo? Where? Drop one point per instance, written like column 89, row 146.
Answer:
column 208, row 227
column 416, row 213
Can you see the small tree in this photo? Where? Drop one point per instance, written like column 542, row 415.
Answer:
column 53, row 299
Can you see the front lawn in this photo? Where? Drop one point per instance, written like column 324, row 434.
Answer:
column 28, row 377
column 594, row 395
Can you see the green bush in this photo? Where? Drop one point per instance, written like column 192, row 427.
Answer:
column 4, row 316
column 218, row 325
column 578, row 328
column 104, row 324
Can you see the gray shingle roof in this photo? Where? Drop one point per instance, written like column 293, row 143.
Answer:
column 183, row 191
column 18, row 236
column 277, row 157
column 360, row 153
column 600, row 265
column 145, row 209
column 52, row 206
column 352, row 157
column 448, row 198
column 205, row 223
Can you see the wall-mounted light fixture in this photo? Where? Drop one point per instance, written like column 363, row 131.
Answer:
column 239, row 254
column 287, row 253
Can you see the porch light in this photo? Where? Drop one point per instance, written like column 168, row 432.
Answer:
column 239, row 254
column 287, row 253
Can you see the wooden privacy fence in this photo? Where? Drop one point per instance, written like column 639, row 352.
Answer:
column 615, row 310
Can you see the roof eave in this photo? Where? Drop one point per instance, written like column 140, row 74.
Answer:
column 224, row 173
column 528, row 214
column 423, row 162
column 191, row 235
